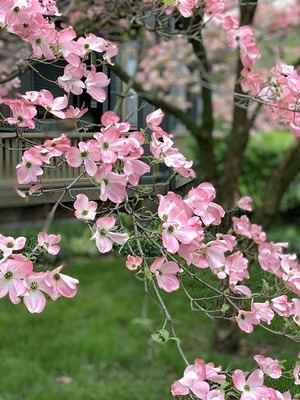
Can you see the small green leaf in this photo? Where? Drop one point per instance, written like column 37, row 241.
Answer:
column 161, row 336
column 224, row 308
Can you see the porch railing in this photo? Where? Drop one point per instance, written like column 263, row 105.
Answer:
column 11, row 150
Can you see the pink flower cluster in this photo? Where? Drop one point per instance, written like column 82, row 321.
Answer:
column 265, row 312
column 246, row 386
column 281, row 92
column 19, row 281
column 29, row 19
column 244, row 38
column 196, row 380
column 270, row 255
column 162, row 149
column 113, row 159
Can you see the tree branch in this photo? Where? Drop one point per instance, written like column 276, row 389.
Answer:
column 204, row 135
column 278, row 183
column 153, row 100
column 240, row 127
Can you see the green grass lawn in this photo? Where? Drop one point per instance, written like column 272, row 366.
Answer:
column 94, row 347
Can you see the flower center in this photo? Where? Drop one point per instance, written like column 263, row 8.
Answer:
column 33, row 286
column 56, row 277
column 9, row 245
column 85, row 213
column 20, row 118
column 165, row 217
column 102, row 232
column 83, row 154
column 171, row 229
column 247, row 388
column 105, row 145
column 8, row 275
column 28, row 165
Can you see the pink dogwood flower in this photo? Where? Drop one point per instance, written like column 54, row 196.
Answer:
column 12, row 273
column 264, row 311
column 29, row 169
column 191, row 382
column 105, row 237
column 53, row 105
column 23, row 114
column 61, row 284
column 165, row 273
column 296, row 311
column 282, row 306
column 71, row 80
column 244, row 203
column 75, row 113
column 9, row 244
column 132, row 262
column 296, row 374
column 86, row 153
column 134, row 169
column 247, row 319
column 49, row 242
column 200, row 200
column 252, row 387
column 112, row 185
column 33, row 189
column 154, row 119
column 85, row 209
column 178, row 229
column 269, row 366
column 34, row 298
column 95, row 82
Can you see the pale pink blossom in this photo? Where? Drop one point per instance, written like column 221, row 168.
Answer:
column 269, row 366
column 296, row 311
column 33, row 189
column 105, row 235
column 252, row 387
column 133, row 262
column 12, row 273
column 49, row 242
column 86, row 153
column 112, row 185
column 61, row 284
column 34, row 298
column 296, row 374
column 244, row 203
column 95, row 82
column 23, row 114
column 71, row 80
column 247, row 319
column 282, row 306
column 9, row 244
column 264, row 311
column 53, row 105
column 165, row 273
column 85, row 209
column 29, row 169
column 200, row 200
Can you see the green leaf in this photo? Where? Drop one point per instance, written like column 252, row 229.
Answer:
column 224, row 308
column 161, row 336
